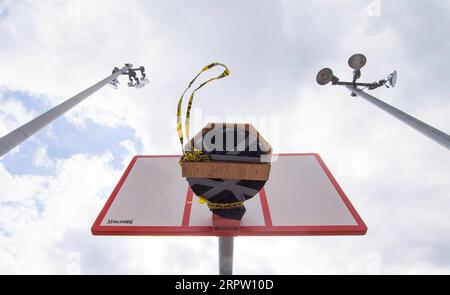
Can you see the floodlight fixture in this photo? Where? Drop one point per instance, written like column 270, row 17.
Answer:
column 392, row 79
column 144, row 81
column 140, row 85
column 133, row 79
column 357, row 61
column 325, row 76
column 114, row 84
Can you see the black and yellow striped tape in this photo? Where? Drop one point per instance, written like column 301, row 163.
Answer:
column 194, row 155
column 212, row 205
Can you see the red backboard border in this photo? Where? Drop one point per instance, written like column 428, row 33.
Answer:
column 267, row 230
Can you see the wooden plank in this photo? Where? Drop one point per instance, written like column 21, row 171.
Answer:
column 226, row 170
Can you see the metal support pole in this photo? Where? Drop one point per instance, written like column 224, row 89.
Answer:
column 435, row 134
column 226, row 255
column 14, row 138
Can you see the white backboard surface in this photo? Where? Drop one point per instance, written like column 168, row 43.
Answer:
column 301, row 197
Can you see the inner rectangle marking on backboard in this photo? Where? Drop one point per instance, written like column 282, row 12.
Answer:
column 147, row 198
column 299, row 193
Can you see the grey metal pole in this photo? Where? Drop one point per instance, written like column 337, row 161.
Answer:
column 435, row 134
column 14, row 138
column 226, row 255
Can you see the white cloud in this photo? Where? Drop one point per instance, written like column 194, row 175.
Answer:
column 60, row 231
column 41, row 158
column 12, row 114
column 67, row 203
column 131, row 151
column 19, row 188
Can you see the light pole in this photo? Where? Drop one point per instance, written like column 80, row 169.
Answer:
column 356, row 62
column 226, row 255
column 17, row 136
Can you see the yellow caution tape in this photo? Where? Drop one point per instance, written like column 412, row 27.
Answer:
column 212, row 205
column 193, row 154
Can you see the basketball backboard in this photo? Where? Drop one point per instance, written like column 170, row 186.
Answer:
column 301, row 198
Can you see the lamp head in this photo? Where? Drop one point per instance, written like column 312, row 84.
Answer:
column 325, row 76
column 392, row 79
column 144, row 81
column 114, row 84
column 357, row 61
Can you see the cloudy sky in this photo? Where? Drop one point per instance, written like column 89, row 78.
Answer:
column 53, row 186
